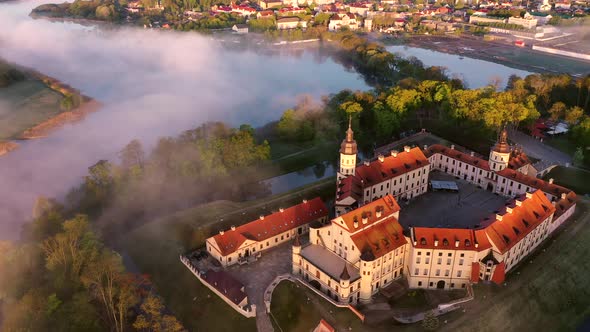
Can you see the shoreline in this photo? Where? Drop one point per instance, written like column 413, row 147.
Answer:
column 427, row 42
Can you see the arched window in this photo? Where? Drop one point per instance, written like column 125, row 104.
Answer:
column 423, row 241
column 445, row 242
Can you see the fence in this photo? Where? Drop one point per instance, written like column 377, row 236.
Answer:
column 246, row 312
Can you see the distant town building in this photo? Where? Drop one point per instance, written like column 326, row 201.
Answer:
column 266, row 4
column 528, row 22
column 290, row 23
column 345, row 20
column 240, row 28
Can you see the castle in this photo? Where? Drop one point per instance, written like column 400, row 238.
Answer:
column 364, row 248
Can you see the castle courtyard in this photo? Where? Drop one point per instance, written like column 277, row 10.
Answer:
column 464, row 209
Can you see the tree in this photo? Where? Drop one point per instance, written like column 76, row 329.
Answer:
column 132, row 155
column 288, row 125
column 67, row 103
column 152, row 318
column 579, row 157
column 69, row 250
column 116, row 291
column 573, row 114
column 351, row 107
column 430, row 322
column 557, row 110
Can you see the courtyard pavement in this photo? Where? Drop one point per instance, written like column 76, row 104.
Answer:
column 464, row 209
column 538, row 149
column 258, row 275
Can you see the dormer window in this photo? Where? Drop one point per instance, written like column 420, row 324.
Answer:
column 445, row 242
column 467, row 243
column 423, row 241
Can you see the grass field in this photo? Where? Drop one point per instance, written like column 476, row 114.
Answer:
column 575, row 179
column 297, row 309
column 25, row 104
column 154, row 248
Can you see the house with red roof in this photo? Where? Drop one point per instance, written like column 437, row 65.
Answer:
column 356, row 254
column 240, row 243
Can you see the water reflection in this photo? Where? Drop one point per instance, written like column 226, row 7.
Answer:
column 476, row 73
column 294, row 180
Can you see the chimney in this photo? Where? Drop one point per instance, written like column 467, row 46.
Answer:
column 221, row 232
column 498, row 217
column 366, row 162
column 381, row 158
column 563, row 195
column 233, row 228
column 508, row 209
column 261, row 217
column 436, row 243
column 406, row 148
column 304, row 201
column 281, row 209
column 394, row 153
column 456, row 243
column 472, row 154
column 551, row 180
column 529, row 195
column 518, row 202
column 425, row 147
column 452, row 146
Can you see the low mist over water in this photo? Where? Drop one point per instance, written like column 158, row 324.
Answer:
column 151, row 83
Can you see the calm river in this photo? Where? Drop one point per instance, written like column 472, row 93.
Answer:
column 151, row 84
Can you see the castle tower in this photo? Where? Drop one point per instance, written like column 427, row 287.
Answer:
column 500, row 153
column 366, row 269
column 296, row 256
column 348, row 151
column 344, row 285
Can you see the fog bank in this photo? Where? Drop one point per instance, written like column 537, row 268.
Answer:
column 151, row 83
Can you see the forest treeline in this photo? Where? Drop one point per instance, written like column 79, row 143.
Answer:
column 61, row 277
column 381, row 115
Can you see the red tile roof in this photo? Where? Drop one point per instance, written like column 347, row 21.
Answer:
column 515, row 225
column 226, row 285
column 534, row 182
column 458, row 155
column 518, row 159
column 271, row 225
column 380, row 239
column 448, row 238
column 349, row 186
column 565, row 204
column 499, row 273
column 323, row 326
column 387, row 205
column 377, row 171
column 475, row 272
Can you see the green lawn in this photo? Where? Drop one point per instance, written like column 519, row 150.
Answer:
column 411, row 300
column 26, row 104
column 575, row 179
column 293, row 312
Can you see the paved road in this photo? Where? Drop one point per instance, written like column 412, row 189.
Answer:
column 537, row 149
column 258, row 275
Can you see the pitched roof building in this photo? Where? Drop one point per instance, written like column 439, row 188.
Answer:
column 240, row 242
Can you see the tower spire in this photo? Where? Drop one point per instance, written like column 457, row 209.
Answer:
column 349, row 132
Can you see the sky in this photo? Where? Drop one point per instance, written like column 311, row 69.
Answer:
column 151, row 84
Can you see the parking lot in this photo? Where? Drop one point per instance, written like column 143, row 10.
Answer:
column 464, row 209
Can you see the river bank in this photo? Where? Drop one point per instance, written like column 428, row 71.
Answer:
column 37, row 105
column 499, row 52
